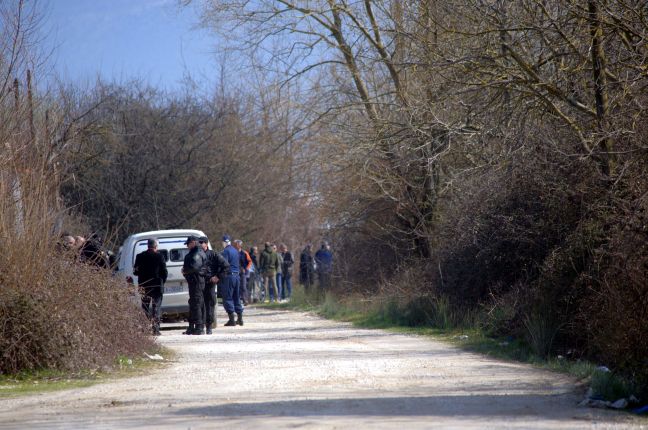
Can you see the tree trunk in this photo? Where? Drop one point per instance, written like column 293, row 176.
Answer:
column 600, row 89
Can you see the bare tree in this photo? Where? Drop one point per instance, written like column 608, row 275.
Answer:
column 148, row 160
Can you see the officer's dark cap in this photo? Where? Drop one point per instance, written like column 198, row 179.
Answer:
column 203, row 239
column 191, row 238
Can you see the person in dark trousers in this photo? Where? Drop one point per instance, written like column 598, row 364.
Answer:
column 194, row 269
column 231, row 293
column 151, row 271
column 268, row 266
column 306, row 267
column 287, row 271
column 279, row 275
column 324, row 264
column 217, row 269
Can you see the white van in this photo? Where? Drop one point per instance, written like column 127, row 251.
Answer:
column 175, row 303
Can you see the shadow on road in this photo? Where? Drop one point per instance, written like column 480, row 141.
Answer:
column 446, row 406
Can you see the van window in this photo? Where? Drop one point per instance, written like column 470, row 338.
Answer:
column 172, row 248
column 178, row 254
column 164, row 252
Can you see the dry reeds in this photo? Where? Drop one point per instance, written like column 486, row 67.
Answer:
column 55, row 312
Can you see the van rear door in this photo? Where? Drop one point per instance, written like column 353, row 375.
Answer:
column 174, row 250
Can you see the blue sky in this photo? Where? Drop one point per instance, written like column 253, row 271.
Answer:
column 154, row 40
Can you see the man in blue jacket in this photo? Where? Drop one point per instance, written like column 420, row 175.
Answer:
column 231, row 292
column 324, row 266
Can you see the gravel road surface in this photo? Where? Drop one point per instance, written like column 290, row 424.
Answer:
column 295, row 370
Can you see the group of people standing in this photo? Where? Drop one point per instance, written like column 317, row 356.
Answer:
column 204, row 269
column 273, row 271
column 240, row 277
column 272, row 281
column 321, row 265
column 88, row 250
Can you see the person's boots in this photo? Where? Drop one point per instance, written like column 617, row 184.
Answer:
column 231, row 321
column 208, row 329
column 239, row 319
column 156, row 329
column 190, row 329
column 200, row 329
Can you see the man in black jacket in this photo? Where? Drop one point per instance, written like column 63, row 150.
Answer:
column 150, row 269
column 194, row 269
column 91, row 252
column 306, row 267
column 217, row 268
column 286, row 271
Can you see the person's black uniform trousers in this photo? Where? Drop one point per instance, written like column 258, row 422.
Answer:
column 217, row 267
column 194, row 269
column 151, row 271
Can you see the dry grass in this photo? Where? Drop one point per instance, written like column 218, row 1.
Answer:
column 55, row 313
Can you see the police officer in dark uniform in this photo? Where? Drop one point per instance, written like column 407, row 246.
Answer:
column 217, row 268
column 151, row 271
column 194, row 269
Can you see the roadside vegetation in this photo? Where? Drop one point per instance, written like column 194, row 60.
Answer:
column 482, row 159
column 39, row 381
column 58, row 315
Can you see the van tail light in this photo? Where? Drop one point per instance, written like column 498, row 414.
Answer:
column 130, row 280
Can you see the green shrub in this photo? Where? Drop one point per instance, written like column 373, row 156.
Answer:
column 443, row 317
column 417, row 312
column 610, row 386
column 541, row 331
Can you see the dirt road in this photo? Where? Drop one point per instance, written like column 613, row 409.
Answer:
column 289, row 370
